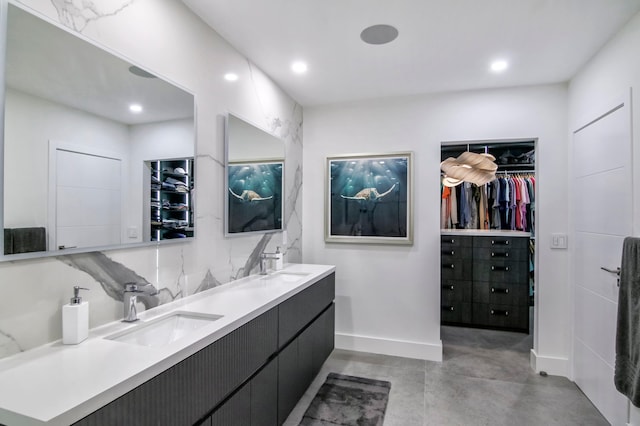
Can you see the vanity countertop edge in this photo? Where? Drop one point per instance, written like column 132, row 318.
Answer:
column 58, row 384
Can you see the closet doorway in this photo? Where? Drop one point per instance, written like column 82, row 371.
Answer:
column 488, row 245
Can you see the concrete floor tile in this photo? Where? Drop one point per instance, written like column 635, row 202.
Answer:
column 484, row 379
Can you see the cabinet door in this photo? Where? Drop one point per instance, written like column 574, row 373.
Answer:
column 302, row 359
column 264, row 396
column 236, row 411
column 288, row 380
column 298, row 311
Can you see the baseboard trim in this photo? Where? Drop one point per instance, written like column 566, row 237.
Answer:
column 551, row 365
column 406, row 349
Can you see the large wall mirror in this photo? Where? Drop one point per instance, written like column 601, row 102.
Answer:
column 97, row 152
column 255, row 181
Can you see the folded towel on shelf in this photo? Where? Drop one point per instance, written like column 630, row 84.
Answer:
column 627, row 365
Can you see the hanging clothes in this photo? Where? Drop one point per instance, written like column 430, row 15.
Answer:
column 445, row 206
column 507, row 202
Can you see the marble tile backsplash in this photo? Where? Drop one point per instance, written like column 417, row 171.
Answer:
column 32, row 292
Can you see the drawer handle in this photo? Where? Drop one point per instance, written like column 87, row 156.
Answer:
column 500, row 290
column 499, row 312
column 447, row 252
column 453, row 241
column 500, row 268
column 447, row 308
column 448, row 287
column 493, row 254
column 452, row 266
column 499, row 242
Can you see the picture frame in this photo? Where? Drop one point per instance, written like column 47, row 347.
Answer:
column 369, row 198
column 254, row 197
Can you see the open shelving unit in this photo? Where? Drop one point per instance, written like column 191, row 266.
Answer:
column 171, row 202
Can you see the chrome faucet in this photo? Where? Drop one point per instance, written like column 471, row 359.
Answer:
column 264, row 256
column 131, row 292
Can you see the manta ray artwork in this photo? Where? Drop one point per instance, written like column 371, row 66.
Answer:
column 369, row 194
column 255, row 197
column 249, row 195
column 369, row 199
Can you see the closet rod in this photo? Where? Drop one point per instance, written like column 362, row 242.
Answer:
column 514, row 172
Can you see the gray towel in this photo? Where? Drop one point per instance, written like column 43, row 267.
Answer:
column 627, row 369
column 24, row 240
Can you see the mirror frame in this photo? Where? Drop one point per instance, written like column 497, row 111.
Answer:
column 4, row 7
column 228, row 163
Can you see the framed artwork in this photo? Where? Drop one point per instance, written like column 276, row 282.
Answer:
column 254, row 197
column 369, row 199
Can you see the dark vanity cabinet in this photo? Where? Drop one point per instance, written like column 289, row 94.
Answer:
column 485, row 281
column 253, row 376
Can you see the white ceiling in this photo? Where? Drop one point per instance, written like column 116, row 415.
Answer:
column 51, row 63
column 444, row 45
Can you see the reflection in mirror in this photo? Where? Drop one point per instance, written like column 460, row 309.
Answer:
column 255, row 163
column 82, row 130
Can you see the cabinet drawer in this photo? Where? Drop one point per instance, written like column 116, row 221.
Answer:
column 499, row 253
column 500, row 293
column 502, row 242
column 448, row 242
column 500, row 271
column 455, row 291
column 504, row 316
column 456, row 269
column 456, row 313
column 456, row 253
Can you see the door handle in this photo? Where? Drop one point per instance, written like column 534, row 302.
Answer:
column 611, row 271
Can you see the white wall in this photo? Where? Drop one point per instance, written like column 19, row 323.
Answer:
column 607, row 77
column 154, row 141
column 27, row 150
column 166, row 38
column 388, row 297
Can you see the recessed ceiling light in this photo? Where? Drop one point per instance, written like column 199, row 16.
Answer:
column 231, row 76
column 379, row 34
column 299, row 67
column 499, row 66
column 135, row 108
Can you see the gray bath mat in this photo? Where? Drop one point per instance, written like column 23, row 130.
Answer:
column 349, row 401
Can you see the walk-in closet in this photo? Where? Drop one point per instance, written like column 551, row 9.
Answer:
column 488, row 240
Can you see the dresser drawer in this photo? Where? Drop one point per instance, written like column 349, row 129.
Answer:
column 501, row 242
column 456, row 253
column 448, row 242
column 456, row 313
column 502, row 316
column 500, row 293
column 456, row 269
column 498, row 253
column 500, row 271
column 453, row 291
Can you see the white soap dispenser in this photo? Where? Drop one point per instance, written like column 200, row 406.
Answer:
column 75, row 319
column 279, row 259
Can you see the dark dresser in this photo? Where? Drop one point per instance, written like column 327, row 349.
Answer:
column 485, row 279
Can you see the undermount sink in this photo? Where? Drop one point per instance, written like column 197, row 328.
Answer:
column 285, row 276
column 165, row 330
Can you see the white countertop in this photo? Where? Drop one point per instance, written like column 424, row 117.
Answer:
column 58, row 384
column 485, row 232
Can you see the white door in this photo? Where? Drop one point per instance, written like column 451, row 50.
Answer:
column 88, row 200
column 601, row 209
